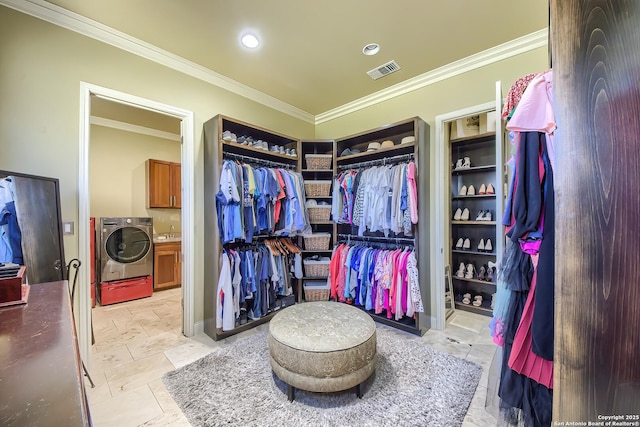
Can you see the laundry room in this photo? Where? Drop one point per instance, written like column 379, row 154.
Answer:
column 134, row 186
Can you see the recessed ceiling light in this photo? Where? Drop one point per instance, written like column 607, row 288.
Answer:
column 249, row 40
column 371, row 49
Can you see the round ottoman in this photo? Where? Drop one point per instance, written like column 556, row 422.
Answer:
column 322, row 346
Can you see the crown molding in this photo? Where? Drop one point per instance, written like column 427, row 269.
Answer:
column 497, row 53
column 128, row 127
column 90, row 28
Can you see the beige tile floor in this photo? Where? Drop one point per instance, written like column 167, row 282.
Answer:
column 139, row 341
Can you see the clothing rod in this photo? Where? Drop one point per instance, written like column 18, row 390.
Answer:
column 380, row 239
column 384, row 161
column 248, row 159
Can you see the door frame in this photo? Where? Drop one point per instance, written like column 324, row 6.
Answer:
column 187, row 211
column 442, row 198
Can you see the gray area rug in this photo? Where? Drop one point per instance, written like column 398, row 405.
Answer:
column 414, row 385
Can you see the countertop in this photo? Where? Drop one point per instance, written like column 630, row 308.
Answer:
column 161, row 238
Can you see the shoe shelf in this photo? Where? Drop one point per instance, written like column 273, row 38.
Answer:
column 234, row 147
column 482, row 309
column 484, row 282
column 462, row 251
column 488, row 136
column 477, row 196
column 492, row 223
column 474, row 169
column 474, row 161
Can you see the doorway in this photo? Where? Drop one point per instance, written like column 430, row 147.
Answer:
column 87, row 93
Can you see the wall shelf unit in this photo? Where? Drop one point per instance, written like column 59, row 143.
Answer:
column 415, row 134
column 473, row 160
column 217, row 149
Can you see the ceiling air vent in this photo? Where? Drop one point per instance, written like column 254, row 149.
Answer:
column 383, row 70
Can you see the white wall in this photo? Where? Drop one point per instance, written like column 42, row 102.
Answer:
column 117, row 175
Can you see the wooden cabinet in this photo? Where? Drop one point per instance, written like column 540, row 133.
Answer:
column 167, row 265
column 163, row 184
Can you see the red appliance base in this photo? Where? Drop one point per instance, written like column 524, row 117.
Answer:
column 125, row 290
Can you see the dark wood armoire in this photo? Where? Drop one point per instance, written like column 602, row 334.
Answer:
column 596, row 63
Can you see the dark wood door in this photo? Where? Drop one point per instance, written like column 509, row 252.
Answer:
column 38, row 213
column 596, row 61
column 159, row 184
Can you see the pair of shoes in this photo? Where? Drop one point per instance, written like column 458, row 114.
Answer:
column 477, row 300
column 485, row 246
column 487, row 190
column 261, row 145
column 491, row 271
column 290, row 152
column 461, row 270
column 228, row 136
column 467, row 191
column 463, row 244
column 461, row 215
column 464, row 163
column 466, row 298
column 484, row 216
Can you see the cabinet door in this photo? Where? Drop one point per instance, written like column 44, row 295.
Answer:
column 167, row 266
column 159, row 184
column 176, row 185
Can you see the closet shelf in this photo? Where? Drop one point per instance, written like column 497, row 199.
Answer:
column 485, row 168
column 370, row 155
column 471, row 307
column 234, row 147
column 462, row 251
column 489, row 136
column 477, row 196
column 327, row 171
column 464, row 279
column 473, row 222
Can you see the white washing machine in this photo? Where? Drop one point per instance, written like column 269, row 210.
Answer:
column 126, row 248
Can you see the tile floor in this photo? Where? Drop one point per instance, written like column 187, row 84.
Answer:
column 138, row 341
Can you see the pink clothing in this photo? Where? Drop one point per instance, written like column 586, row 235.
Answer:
column 413, row 192
column 515, row 93
column 522, row 359
column 535, row 111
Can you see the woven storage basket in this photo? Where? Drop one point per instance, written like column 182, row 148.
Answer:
column 316, row 268
column 317, row 242
column 318, row 161
column 317, row 188
column 316, row 291
column 319, row 213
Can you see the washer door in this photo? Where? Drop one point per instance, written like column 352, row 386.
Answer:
column 127, row 245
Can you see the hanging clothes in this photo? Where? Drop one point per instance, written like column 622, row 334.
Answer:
column 523, row 313
column 382, row 280
column 260, row 200
column 253, row 277
column 380, row 198
column 10, row 234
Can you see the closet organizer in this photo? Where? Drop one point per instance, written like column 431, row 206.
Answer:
column 254, row 203
column 380, row 204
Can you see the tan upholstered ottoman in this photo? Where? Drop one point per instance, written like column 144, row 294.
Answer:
column 322, row 346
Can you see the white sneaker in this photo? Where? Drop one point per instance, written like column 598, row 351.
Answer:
column 226, row 135
column 293, row 153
